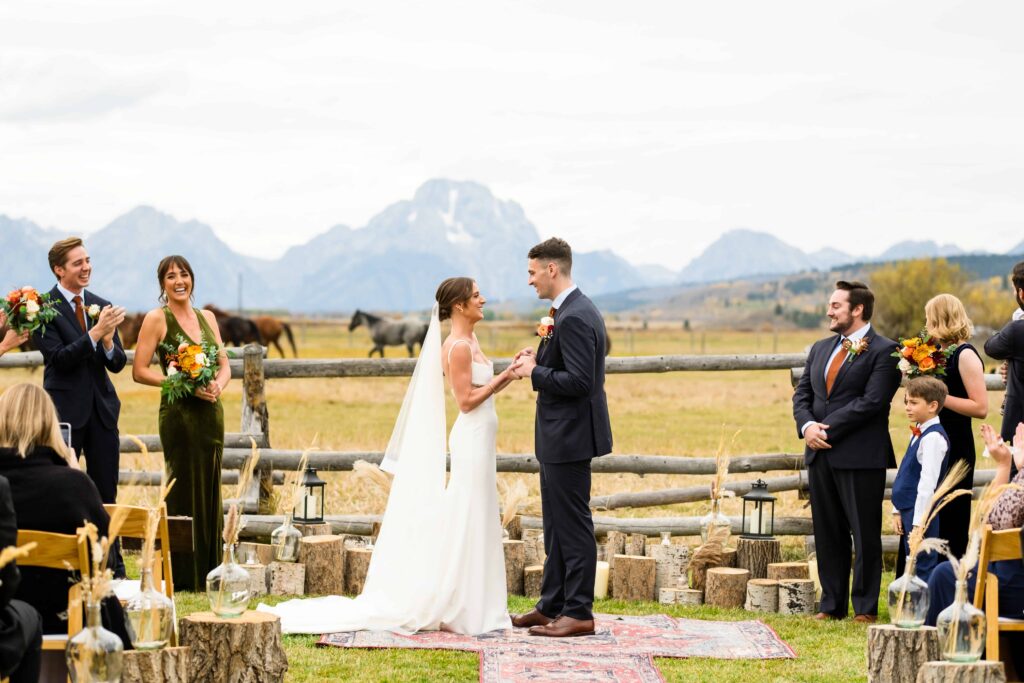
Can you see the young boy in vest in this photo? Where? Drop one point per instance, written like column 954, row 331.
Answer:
column 922, row 468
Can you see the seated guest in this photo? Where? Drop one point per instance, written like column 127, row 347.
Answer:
column 923, row 466
column 21, row 629
column 49, row 495
column 1007, row 513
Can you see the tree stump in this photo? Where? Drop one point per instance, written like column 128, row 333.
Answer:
column 532, row 577
column 357, row 563
column 257, row 578
column 515, row 528
column 668, row 596
column 796, row 596
column 726, row 587
column 318, row 529
column 755, row 554
column 633, row 577
column 728, row 557
column 762, row 595
column 533, row 547
column 636, row 544
column 246, row 648
column 671, row 562
column 788, row 570
column 264, row 552
column 287, row 578
column 515, row 563
column 895, row 654
column 169, row 665
column 324, row 557
column 953, row 672
column 689, row 596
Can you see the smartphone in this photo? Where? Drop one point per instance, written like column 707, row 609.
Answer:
column 65, row 432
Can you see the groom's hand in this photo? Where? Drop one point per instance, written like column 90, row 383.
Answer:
column 525, row 365
column 816, row 436
column 528, row 351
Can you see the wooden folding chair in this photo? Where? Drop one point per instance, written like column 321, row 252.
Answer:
column 995, row 546
column 134, row 527
column 67, row 552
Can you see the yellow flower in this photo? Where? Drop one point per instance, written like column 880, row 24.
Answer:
column 922, row 352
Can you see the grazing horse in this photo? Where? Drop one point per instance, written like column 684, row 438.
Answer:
column 235, row 329
column 271, row 329
column 409, row 332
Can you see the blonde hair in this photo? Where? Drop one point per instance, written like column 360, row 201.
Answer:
column 28, row 419
column 946, row 319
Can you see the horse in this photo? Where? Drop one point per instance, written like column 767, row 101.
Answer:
column 234, row 329
column 409, row 332
column 129, row 329
column 271, row 329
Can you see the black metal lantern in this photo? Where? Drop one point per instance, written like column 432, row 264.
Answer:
column 759, row 521
column 310, row 507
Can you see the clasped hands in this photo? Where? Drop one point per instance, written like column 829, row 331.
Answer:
column 816, row 437
column 106, row 324
column 523, row 364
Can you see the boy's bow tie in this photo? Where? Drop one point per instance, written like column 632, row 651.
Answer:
column 916, row 430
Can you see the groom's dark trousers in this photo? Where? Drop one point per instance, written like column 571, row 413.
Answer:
column 847, row 481
column 572, row 427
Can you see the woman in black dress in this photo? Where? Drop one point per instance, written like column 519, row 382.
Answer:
column 946, row 321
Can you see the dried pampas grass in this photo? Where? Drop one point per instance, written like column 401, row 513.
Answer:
column 12, row 553
column 513, row 497
column 718, row 490
column 709, row 554
column 373, row 475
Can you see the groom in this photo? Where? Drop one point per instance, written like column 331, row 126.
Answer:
column 841, row 408
column 572, row 426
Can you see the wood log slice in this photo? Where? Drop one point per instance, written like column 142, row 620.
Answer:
column 257, row 579
column 728, row 557
column 532, row 577
column 357, row 563
column 632, row 577
column 762, row 595
column 796, row 596
column 324, row 557
column 534, row 547
column 755, row 554
column 689, row 596
column 788, row 570
column 895, row 654
column 726, row 587
column 318, row 529
column 246, row 648
column 515, row 564
column 169, row 665
column 636, row 544
column 515, row 528
column 287, row 578
column 956, row 672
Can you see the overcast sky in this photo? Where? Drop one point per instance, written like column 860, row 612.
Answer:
column 646, row 127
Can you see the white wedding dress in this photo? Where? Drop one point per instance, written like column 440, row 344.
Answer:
column 438, row 562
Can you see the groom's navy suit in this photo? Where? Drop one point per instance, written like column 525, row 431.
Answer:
column 572, row 427
column 848, row 481
column 76, row 378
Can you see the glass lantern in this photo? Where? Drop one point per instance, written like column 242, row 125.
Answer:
column 758, row 512
column 310, row 507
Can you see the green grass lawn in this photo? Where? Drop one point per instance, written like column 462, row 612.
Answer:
column 826, row 651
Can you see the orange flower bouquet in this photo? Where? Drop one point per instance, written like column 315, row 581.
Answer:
column 27, row 310
column 189, row 366
column 921, row 355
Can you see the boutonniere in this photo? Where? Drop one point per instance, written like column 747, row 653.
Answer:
column 94, row 311
column 854, row 348
column 546, row 328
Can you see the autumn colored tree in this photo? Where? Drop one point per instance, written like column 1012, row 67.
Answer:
column 904, row 287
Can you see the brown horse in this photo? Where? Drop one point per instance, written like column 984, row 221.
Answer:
column 271, row 329
column 129, row 329
column 235, row 329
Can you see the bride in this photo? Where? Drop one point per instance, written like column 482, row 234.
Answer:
column 438, row 562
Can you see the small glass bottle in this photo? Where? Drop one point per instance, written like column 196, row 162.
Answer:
column 961, row 628
column 908, row 600
column 149, row 615
column 94, row 655
column 666, row 538
column 285, row 540
column 227, row 586
column 713, row 520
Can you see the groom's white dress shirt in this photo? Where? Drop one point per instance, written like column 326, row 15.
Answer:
column 560, row 299
column 855, row 337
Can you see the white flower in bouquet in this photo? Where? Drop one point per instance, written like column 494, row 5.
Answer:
column 201, row 360
column 172, row 369
column 182, row 346
column 31, row 308
column 30, row 317
column 904, row 365
column 28, row 288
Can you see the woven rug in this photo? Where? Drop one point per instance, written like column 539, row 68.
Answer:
column 621, row 649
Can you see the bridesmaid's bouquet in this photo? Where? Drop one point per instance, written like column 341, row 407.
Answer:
column 27, row 310
column 189, row 367
column 921, row 355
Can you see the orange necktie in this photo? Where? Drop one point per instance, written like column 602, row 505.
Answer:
column 551, row 311
column 79, row 312
column 833, row 369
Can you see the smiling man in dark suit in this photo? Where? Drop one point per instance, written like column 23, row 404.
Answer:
column 841, row 408
column 1008, row 345
column 572, row 427
column 79, row 347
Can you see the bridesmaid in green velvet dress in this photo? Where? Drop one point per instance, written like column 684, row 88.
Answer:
column 191, row 428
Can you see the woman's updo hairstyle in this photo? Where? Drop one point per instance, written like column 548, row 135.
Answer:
column 454, row 290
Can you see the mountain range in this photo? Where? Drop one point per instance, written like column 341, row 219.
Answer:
column 394, row 262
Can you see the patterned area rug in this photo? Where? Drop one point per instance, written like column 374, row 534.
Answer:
column 620, row 651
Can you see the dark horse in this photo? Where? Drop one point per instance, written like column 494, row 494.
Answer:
column 235, row 329
column 390, row 332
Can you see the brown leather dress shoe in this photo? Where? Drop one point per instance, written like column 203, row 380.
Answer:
column 565, row 627
column 531, row 618
column 825, row 616
column 865, row 618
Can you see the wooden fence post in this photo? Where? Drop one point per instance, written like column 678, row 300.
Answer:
column 255, row 418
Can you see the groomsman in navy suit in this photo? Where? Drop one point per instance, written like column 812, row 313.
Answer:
column 1008, row 345
column 841, row 408
column 79, row 346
